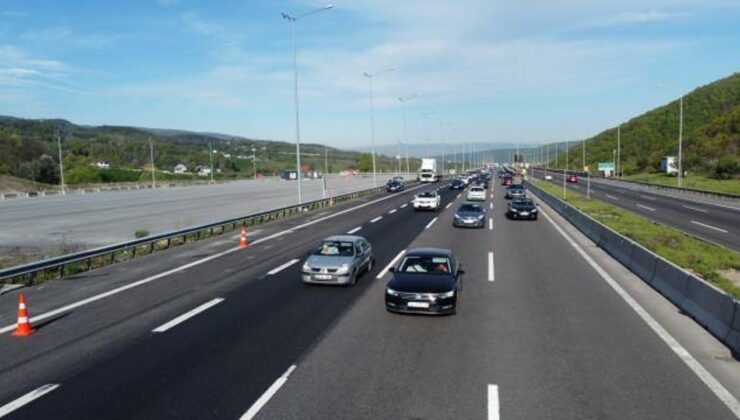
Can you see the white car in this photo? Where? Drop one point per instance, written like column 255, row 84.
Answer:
column 477, row 194
column 548, row 177
column 428, row 200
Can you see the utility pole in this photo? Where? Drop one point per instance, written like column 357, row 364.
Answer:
column 61, row 160
column 680, row 142
column 210, row 146
column 565, row 169
column 619, row 151
column 254, row 161
column 326, row 160
column 151, row 158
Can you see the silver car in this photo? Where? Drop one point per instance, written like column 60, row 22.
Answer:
column 338, row 260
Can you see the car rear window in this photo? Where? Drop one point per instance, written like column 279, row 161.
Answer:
column 425, row 264
column 426, row 195
column 477, row 189
column 336, row 248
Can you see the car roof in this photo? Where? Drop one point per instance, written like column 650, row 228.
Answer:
column 429, row 252
column 343, row 238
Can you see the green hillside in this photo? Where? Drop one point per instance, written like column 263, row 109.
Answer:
column 28, row 150
column 711, row 135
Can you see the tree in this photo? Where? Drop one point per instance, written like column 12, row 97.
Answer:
column 365, row 162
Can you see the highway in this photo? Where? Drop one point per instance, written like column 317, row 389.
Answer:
column 543, row 330
column 704, row 218
column 67, row 223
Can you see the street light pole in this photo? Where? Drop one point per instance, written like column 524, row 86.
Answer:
column 210, row 146
column 254, row 161
column 61, row 160
column 619, row 151
column 372, row 116
column 680, row 142
column 292, row 20
column 151, row 158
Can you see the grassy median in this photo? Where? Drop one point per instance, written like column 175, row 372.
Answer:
column 699, row 182
column 714, row 263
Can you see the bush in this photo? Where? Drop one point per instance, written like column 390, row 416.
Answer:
column 82, row 175
column 141, row 233
column 728, row 167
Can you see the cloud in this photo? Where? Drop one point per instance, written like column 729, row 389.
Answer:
column 204, row 27
column 64, row 35
column 633, row 18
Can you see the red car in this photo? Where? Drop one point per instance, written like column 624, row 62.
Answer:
column 507, row 181
column 572, row 178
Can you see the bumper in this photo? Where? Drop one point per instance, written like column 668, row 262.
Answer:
column 518, row 216
column 439, row 307
column 310, row 278
column 478, row 198
column 477, row 224
column 425, row 206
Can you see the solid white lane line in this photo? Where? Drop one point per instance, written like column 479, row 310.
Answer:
column 390, row 264
column 448, row 205
column 710, row 381
column 355, row 230
column 187, row 315
column 21, row 401
column 392, row 211
column 611, row 197
column 376, row 219
column 283, row 266
column 708, row 226
column 696, row 209
column 158, row 276
column 430, row 223
column 403, row 206
column 491, row 270
column 490, row 223
column 267, row 395
column 493, row 404
column 644, row 207
column 647, row 197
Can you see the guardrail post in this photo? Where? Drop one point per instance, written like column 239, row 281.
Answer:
column 89, row 264
column 61, row 271
column 133, row 252
column 113, row 257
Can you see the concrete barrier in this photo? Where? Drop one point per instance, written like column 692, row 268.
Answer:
column 713, row 309
column 643, row 263
column 709, row 306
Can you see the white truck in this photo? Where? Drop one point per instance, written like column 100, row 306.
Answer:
column 428, row 171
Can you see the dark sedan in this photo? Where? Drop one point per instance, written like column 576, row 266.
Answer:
column 457, row 184
column 427, row 281
column 522, row 208
column 394, row 186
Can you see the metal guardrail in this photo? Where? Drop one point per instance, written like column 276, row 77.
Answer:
column 693, row 191
column 58, row 267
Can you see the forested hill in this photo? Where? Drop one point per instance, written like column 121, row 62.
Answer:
column 28, row 149
column 710, row 141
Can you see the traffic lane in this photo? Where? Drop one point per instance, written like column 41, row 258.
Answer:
column 548, row 332
column 77, row 338
column 716, row 226
column 374, row 364
column 53, row 294
column 224, row 358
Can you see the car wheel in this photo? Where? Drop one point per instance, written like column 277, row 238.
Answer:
column 353, row 279
column 369, row 266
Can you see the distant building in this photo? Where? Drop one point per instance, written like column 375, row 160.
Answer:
column 180, row 168
column 669, row 164
column 226, row 155
column 202, row 170
column 102, row 164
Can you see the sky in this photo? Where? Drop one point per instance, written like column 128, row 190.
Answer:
column 492, row 71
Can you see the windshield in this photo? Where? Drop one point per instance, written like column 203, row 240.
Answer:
column 425, row 264
column 523, row 203
column 426, row 195
column 516, row 187
column 471, row 208
column 335, row 248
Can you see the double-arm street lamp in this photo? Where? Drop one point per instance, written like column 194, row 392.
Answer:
column 293, row 19
column 372, row 115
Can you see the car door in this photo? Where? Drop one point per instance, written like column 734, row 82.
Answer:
column 368, row 252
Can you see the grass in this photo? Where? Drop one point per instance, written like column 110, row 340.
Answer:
column 700, row 257
column 699, row 182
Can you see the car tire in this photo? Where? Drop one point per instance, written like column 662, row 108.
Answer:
column 369, row 266
column 353, row 280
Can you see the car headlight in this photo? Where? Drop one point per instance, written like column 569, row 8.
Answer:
column 480, row 217
column 343, row 269
column 513, row 210
column 449, row 294
column 533, row 211
column 306, row 267
column 457, row 216
column 391, row 292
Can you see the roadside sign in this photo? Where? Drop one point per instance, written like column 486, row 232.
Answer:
column 606, row 166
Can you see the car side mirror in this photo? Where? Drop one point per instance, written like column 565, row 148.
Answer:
column 392, row 270
column 460, row 272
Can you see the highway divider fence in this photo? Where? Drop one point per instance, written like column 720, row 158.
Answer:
column 58, row 267
column 713, row 309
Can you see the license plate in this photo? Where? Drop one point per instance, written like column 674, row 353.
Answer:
column 470, row 222
column 418, row 305
column 524, row 213
column 322, row 276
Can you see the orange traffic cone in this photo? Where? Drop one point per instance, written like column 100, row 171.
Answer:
column 243, row 242
column 24, row 325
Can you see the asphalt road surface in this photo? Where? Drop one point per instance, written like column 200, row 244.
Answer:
column 540, row 332
column 704, row 218
column 75, row 222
